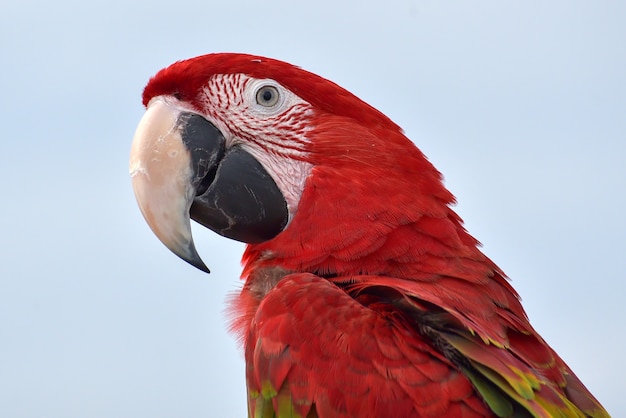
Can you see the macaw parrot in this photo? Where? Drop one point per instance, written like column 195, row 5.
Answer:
column 363, row 294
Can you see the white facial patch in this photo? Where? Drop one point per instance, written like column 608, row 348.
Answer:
column 268, row 121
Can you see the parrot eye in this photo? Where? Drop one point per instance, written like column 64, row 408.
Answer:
column 267, row 96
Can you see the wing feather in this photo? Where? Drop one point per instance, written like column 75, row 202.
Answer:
column 373, row 346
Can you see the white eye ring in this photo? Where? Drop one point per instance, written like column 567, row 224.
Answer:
column 267, row 96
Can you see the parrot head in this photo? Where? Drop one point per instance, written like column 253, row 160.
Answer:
column 263, row 152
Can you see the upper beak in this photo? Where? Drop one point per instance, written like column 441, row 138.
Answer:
column 164, row 180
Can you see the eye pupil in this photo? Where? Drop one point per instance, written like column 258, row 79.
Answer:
column 267, row 96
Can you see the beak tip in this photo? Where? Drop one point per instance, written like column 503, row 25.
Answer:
column 189, row 254
column 199, row 264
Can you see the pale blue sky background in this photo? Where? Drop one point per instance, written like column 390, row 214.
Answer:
column 521, row 104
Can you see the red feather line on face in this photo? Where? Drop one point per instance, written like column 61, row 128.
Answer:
column 186, row 78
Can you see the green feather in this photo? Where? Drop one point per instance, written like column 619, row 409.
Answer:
column 264, row 408
column 491, row 395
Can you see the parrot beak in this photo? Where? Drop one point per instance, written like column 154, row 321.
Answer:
column 181, row 169
column 163, row 178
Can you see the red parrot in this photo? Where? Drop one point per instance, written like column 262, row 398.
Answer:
column 364, row 295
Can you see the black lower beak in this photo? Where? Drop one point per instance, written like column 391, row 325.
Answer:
column 243, row 202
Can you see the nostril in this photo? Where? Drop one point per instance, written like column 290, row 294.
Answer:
column 205, row 175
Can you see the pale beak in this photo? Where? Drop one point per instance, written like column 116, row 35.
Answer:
column 163, row 178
